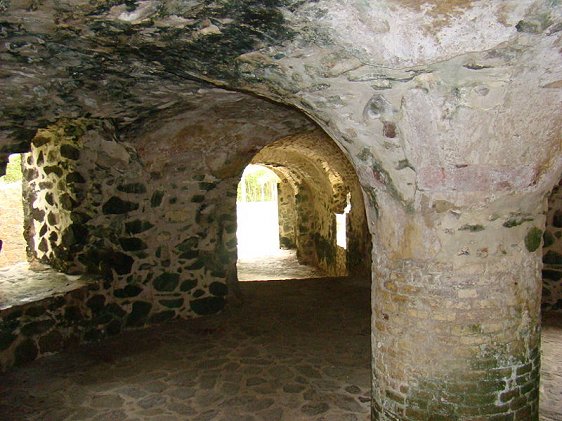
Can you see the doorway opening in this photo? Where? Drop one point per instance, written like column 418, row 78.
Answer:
column 266, row 219
column 301, row 213
column 257, row 213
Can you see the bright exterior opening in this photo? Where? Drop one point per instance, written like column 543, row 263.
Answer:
column 341, row 223
column 12, row 246
column 258, row 221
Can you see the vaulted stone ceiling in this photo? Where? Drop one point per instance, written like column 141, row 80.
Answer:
column 314, row 158
column 423, row 94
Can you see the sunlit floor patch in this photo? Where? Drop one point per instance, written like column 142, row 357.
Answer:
column 281, row 264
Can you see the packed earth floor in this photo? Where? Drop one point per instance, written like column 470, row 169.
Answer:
column 293, row 350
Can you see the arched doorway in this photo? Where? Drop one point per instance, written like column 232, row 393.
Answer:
column 317, row 186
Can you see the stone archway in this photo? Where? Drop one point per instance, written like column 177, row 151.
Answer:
column 320, row 178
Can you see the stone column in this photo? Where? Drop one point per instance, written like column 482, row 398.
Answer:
column 53, row 187
column 456, row 311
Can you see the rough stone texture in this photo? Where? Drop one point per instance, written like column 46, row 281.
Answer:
column 493, row 356
column 287, row 217
column 22, row 284
column 43, row 311
column 161, row 237
column 552, row 253
column 307, row 351
column 448, row 111
column 551, row 368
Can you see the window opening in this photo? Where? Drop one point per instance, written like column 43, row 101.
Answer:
column 12, row 242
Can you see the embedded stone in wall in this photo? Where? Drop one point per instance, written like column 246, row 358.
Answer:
column 116, row 205
column 41, row 311
column 207, row 305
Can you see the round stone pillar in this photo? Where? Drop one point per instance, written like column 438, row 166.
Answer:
column 456, row 314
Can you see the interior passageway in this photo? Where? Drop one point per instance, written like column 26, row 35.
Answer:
column 440, row 119
column 301, row 212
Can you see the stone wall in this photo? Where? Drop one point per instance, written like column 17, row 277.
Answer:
column 64, row 311
column 359, row 247
column 307, row 223
column 54, row 189
column 315, row 231
column 449, row 111
column 287, row 217
column 162, row 243
column 96, row 209
column 552, row 253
